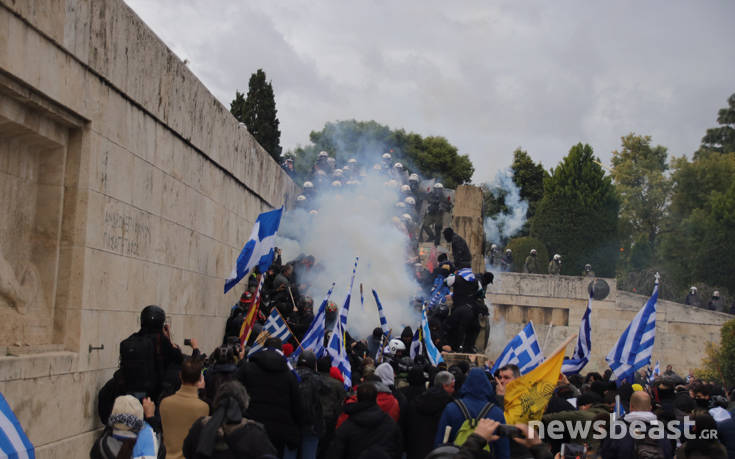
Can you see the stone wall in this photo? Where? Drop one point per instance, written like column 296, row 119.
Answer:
column 467, row 222
column 556, row 304
column 124, row 183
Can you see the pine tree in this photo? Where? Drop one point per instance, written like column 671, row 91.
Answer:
column 258, row 112
column 578, row 215
column 722, row 138
column 529, row 177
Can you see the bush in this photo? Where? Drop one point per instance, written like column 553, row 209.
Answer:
column 719, row 363
column 521, row 246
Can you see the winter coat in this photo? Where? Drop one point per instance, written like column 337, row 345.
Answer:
column 247, row 440
column 421, row 419
column 178, row 414
column 367, row 428
column 460, row 252
column 475, row 393
column 274, row 397
column 554, row 267
column 310, row 388
column 147, row 445
column 625, row 447
column 386, row 401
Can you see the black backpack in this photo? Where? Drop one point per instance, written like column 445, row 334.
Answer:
column 234, row 323
column 138, row 364
column 647, row 448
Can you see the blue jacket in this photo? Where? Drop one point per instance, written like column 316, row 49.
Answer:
column 476, row 391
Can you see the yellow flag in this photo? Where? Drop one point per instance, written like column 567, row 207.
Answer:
column 526, row 397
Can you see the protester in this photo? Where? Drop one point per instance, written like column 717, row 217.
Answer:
column 228, row 433
column 275, row 397
column 313, row 424
column 127, row 435
column 420, row 421
column 179, row 411
column 460, row 251
column 475, row 394
column 368, row 431
column 627, row 447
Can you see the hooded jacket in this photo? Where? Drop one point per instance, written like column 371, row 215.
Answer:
column 367, row 427
column 421, row 419
column 274, row 397
column 475, row 393
column 386, row 402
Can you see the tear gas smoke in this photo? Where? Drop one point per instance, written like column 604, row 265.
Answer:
column 503, row 226
column 356, row 219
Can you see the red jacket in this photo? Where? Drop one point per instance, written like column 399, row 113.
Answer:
column 386, row 401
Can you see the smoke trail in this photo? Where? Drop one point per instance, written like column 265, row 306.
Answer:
column 358, row 219
column 503, row 226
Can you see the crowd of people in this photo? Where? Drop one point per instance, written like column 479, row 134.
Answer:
column 281, row 401
column 164, row 403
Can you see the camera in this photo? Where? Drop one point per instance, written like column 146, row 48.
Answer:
column 573, row 451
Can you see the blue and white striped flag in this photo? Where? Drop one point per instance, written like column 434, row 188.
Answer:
column 336, row 344
column 655, row 373
column 275, row 327
column 634, row 347
column 259, row 249
column 584, row 345
column 523, row 350
column 438, row 292
column 383, row 321
column 434, row 355
column 346, row 306
column 314, row 338
column 466, row 274
column 13, row 441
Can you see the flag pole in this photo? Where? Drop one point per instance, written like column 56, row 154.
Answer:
column 291, row 295
column 548, row 334
column 289, row 329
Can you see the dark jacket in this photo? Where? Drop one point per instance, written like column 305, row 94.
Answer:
column 332, row 398
column 625, row 448
column 460, row 252
column 245, row 440
column 274, row 397
column 421, row 420
column 310, row 388
column 476, row 391
column 367, row 427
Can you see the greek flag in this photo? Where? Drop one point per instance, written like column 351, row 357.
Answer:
column 13, row 441
column 314, row 338
column 346, row 307
column 336, row 350
column 383, row 321
column 583, row 348
column 466, row 274
column 275, row 327
column 438, row 292
column 434, row 355
column 523, row 350
column 634, row 347
column 258, row 251
column 656, row 372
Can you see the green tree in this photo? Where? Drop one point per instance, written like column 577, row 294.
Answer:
column 431, row 156
column 521, row 247
column 639, row 174
column 578, row 214
column 699, row 202
column 529, row 177
column 722, row 138
column 258, row 112
column 719, row 363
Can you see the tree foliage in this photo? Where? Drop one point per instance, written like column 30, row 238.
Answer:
column 258, row 112
column 521, row 247
column 529, row 177
column 719, row 362
column 722, row 138
column 431, row 156
column 578, row 214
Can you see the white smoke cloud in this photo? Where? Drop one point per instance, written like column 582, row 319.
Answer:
column 356, row 221
column 502, row 226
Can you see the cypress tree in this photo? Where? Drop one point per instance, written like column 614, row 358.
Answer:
column 258, row 112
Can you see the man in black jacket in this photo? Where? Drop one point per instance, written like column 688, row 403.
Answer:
column 460, row 251
column 274, row 397
column 423, row 414
column 368, row 431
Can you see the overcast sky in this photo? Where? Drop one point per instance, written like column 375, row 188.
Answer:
column 489, row 76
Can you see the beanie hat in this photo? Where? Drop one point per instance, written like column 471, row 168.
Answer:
column 126, row 417
column 287, row 349
column 386, row 374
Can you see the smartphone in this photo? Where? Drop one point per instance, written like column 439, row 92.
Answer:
column 573, row 451
column 505, row 430
column 187, row 342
